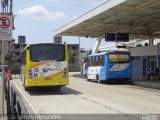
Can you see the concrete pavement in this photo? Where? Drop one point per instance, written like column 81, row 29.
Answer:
column 122, row 99
column 96, row 101
column 154, row 84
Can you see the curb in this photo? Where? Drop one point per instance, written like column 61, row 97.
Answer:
column 147, row 84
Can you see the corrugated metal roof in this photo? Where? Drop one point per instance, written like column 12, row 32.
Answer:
column 137, row 17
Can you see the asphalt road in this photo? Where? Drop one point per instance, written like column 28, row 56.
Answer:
column 88, row 100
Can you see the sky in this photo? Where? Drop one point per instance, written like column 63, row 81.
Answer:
column 38, row 19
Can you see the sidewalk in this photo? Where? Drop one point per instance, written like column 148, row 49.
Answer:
column 154, row 84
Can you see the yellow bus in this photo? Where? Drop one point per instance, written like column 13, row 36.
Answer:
column 44, row 65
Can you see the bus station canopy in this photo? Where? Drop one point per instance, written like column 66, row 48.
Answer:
column 139, row 18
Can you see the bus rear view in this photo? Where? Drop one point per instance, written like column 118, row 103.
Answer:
column 118, row 65
column 109, row 66
column 44, row 65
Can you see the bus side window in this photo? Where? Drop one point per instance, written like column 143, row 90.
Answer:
column 96, row 61
column 90, row 61
column 93, row 61
column 102, row 60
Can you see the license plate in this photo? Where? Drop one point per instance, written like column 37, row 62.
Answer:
column 48, row 78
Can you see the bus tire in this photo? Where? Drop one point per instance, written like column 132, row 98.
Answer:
column 97, row 77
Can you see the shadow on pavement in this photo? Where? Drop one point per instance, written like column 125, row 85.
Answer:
column 51, row 91
column 114, row 82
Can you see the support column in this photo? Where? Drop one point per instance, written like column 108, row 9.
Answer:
column 98, row 42
column 151, row 41
column 158, row 53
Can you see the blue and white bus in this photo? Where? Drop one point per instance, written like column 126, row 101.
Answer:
column 111, row 65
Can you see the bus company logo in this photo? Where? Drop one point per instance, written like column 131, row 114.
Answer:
column 150, row 117
column 4, row 22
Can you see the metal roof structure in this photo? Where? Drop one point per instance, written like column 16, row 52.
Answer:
column 139, row 18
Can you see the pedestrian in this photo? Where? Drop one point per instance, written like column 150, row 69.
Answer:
column 148, row 74
column 156, row 73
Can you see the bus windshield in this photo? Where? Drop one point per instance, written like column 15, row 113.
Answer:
column 47, row 52
column 119, row 57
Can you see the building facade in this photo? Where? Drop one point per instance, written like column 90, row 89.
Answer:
column 144, row 58
column 73, row 50
column 7, row 50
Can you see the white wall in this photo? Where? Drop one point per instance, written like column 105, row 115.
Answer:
column 144, row 51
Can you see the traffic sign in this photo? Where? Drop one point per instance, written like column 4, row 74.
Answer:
column 6, row 26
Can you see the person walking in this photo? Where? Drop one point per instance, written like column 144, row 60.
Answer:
column 148, row 72
column 156, row 73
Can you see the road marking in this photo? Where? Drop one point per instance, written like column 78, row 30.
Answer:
column 26, row 99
